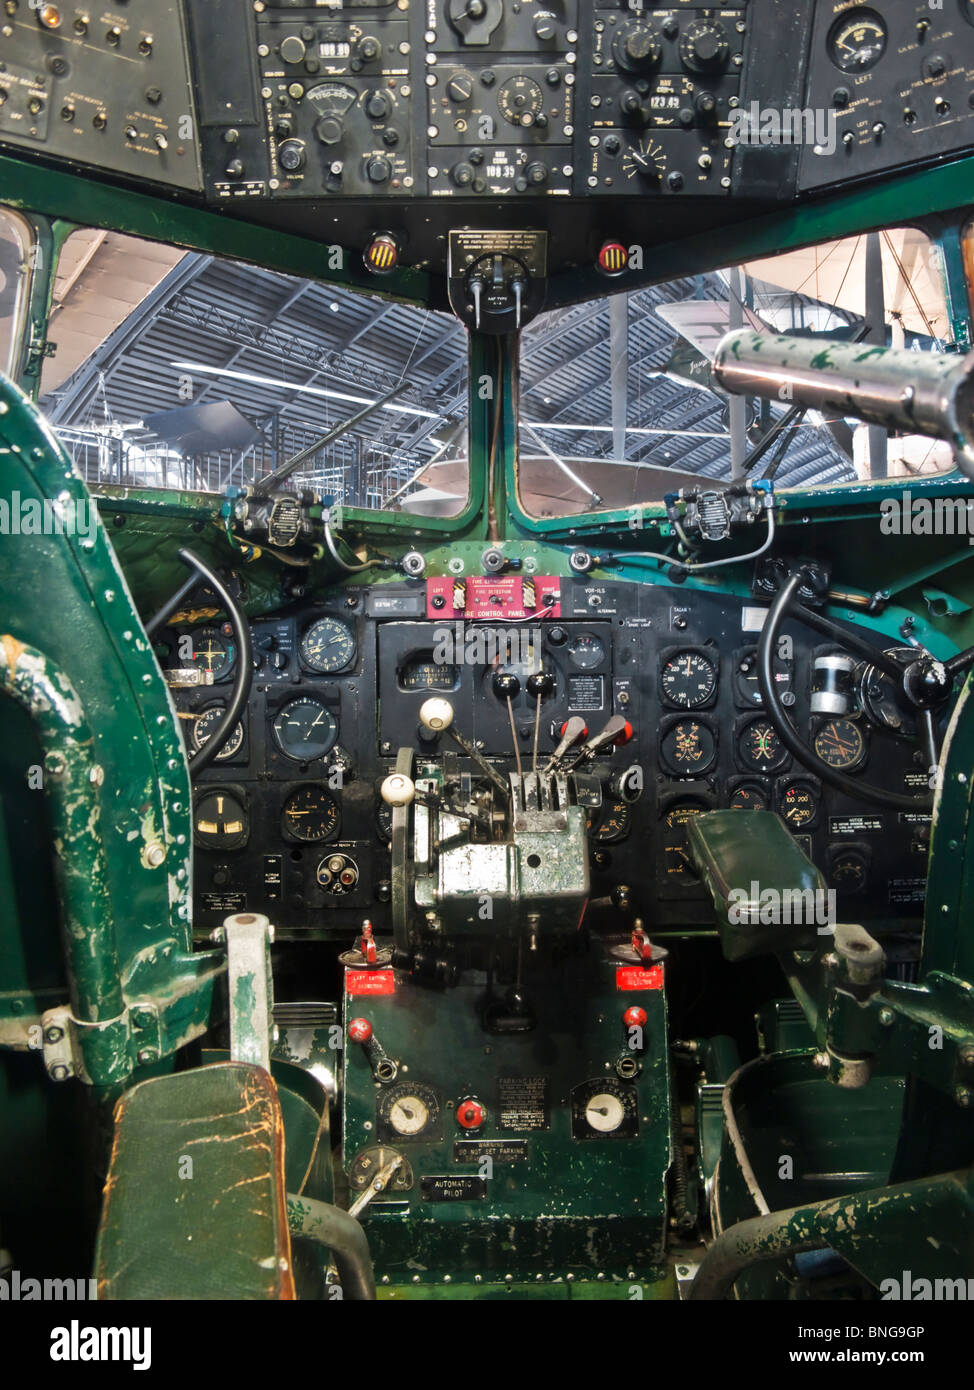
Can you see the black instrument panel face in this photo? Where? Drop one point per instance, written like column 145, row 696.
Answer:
column 441, row 100
column 288, row 820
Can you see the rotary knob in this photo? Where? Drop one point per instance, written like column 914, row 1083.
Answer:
column 369, row 48
column 378, row 169
column 636, row 47
column 462, row 174
column 705, row 46
column 293, row 49
column 377, row 106
column 544, row 27
column 537, row 173
column 459, row 88
column 329, row 130
column 290, row 156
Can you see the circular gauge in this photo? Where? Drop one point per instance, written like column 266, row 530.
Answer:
column 749, row 797
column 409, row 1110
column 746, row 687
column 857, row 40
column 369, row 1163
column 840, row 743
column 848, row 870
column 603, row 1107
column 220, row 821
column 520, row 100
column 214, row 651
column 689, row 680
column 799, row 804
column 688, row 748
column 677, row 864
column 328, row 645
column 759, row 748
column 605, row 1112
column 423, row 673
column 304, row 730
column 609, row 823
column 204, row 724
column 311, row 814
column 586, row 650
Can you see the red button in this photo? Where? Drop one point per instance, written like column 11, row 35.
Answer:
column 470, row 1114
column 360, row 1030
column 634, row 1017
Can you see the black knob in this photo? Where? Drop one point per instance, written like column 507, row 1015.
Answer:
column 540, row 683
column 636, row 48
column 705, row 105
column 462, row 174
column 631, row 106
column 557, row 636
column 282, row 127
column 369, row 48
column 544, row 27
column 235, row 168
column 505, row 685
column 705, row 47
column 293, row 49
column 329, row 130
column 377, row 106
column 290, row 156
column 378, row 169
column 460, row 87
column 537, row 173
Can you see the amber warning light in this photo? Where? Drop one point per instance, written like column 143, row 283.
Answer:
column 382, row 254
column 613, row 258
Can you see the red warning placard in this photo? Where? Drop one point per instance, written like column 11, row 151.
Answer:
column 629, row 977
column 359, row 982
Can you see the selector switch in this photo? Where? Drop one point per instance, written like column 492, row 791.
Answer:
column 293, row 49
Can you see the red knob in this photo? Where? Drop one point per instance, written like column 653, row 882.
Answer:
column 470, row 1114
column 561, row 731
column 623, row 736
column 360, row 1030
column 634, row 1017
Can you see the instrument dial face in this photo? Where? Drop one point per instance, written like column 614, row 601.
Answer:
column 311, row 814
column 677, row 863
column 647, row 159
column 586, row 650
column 220, row 821
column 328, row 646
column 304, row 730
column 203, row 726
column 409, row 1110
column 849, row 871
column 604, row 1109
column 214, row 651
column 857, row 40
column 610, row 822
column 840, row 743
column 759, row 747
column 799, row 804
column 689, row 680
column 421, row 672
column 749, row 797
column 520, row 100
column 688, row 748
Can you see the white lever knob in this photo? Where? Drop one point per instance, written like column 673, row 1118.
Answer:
column 436, row 714
column 397, row 789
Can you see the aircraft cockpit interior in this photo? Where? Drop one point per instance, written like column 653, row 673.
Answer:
column 486, row 632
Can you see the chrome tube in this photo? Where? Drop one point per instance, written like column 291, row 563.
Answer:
column 928, row 393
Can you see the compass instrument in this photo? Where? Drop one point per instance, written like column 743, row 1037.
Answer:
column 328, row 646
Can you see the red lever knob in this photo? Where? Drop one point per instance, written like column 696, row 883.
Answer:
column 634, row 1017
column 470, row 1114
column 360, row 1030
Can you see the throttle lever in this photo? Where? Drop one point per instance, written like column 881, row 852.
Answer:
column 571, row 732
column 617, row 730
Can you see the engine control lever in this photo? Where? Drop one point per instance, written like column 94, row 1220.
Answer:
column 437, row 716
column 378, row 1184
column 571, row 732
column 617, row 730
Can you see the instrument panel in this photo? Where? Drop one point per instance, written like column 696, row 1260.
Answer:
column 288, row 819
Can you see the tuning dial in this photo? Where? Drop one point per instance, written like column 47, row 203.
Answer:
column 462, row 175
column 369, row 48
column 290, row 156
column 636, row 47
column 705, row 46
column 544, row 27
column 377, row 106
column 378, row 169
column 459, row 87
column 293, row 49
column 536, row 173
column 329, row 130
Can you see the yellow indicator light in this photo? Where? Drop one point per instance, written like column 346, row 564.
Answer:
column 50, row 16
